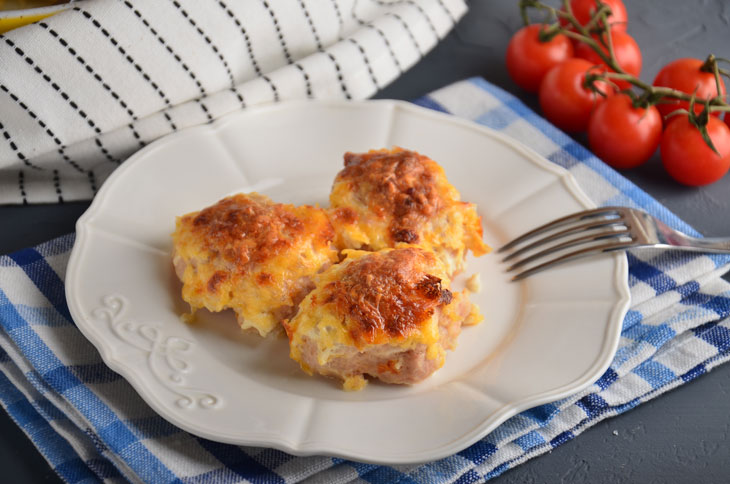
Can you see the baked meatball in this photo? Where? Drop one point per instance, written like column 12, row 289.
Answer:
column 388, row 314
column 385, row 197
column 252, row 255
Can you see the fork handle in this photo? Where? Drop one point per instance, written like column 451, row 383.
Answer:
column 685, row 242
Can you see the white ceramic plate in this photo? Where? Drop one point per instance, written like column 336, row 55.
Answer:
column 543, row 338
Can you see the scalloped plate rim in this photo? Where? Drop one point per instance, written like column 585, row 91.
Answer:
column 307, row 448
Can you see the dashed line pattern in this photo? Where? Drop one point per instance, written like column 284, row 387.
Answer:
column 380, row 33
column 63, row 94
column 98, row 78
column 16, row 150
column 44, row 126
column 421, row 10
column 318, row 41
column 174, row 54
column 408, row 31
column 57, row 186
column 21, row 187
column 367, row 61
column 212, row 45
column 249, row 48
column 134, row 63
column 279, row 33
column 340, row 21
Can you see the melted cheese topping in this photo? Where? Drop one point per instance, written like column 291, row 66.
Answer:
column 392, row 297
column 385, row 197
column 252, row 255
column 474, row 283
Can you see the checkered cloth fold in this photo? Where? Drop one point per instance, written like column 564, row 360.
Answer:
column 91, row 426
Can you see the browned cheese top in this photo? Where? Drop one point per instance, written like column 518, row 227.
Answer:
column 251, row 229
column 386, row 295
column 397, row 183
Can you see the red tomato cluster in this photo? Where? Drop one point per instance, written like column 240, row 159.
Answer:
column 620, row 133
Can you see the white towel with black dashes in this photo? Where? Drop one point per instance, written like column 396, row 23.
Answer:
column 84, row 89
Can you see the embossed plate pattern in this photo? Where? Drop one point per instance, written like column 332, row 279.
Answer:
column 543, row 338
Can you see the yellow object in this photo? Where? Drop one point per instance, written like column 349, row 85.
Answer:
column 10, row 23
column 19, row 5
column 17, row 13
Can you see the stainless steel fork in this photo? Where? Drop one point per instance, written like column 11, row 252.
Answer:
column 594, row 231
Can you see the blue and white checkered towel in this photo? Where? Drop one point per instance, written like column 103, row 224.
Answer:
column 91, row 425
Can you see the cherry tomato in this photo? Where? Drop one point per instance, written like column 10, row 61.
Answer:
column 529, row 59
column 565, row 100
column 685, row 75
column 686, row 156
column 624, row 136
column 583, row 11
column 626, row 50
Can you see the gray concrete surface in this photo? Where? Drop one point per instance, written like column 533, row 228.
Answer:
column 682, row 436
column 664, row 29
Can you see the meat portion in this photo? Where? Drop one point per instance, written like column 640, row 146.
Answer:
column 387, row 314
column 388, row 363
column 385, row 362
column 383, row 198
column 252, row 255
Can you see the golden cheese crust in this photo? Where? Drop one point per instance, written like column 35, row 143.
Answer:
column 386, row 296
column 252, row 255
column 389, row 314
column 385, row 197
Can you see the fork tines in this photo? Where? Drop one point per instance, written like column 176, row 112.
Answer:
column 576, row 235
